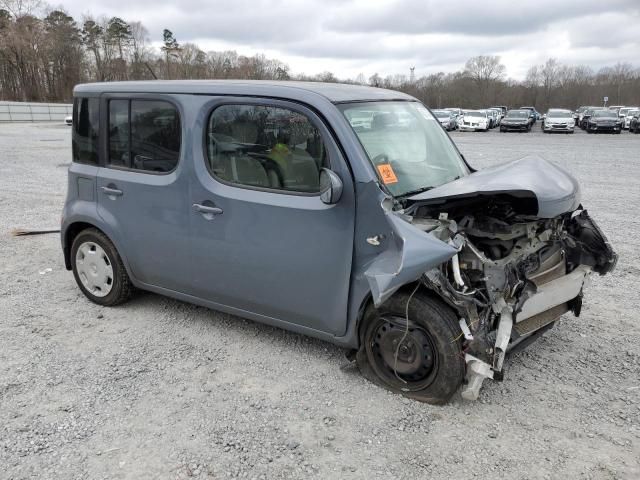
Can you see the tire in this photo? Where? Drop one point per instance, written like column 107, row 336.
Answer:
column 110, row 274
column 433, row 337
column 503, row 129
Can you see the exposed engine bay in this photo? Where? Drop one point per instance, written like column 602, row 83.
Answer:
column 514, row 273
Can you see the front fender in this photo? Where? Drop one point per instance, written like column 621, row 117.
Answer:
column 409, row 253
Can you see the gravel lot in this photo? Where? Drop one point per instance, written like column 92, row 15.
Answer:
column 162, row 389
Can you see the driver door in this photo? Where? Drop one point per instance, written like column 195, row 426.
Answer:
column 262, row 241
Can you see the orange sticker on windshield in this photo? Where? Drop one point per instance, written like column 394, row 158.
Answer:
column 387, row 174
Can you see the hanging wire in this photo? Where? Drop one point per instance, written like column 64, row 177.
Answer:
column 406, row 332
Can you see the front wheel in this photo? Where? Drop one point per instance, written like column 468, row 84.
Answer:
column 98, row 269
column 421, row 359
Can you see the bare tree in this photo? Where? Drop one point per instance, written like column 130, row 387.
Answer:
column 485, row 70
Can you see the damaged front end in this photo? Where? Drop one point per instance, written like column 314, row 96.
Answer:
column 520, row 252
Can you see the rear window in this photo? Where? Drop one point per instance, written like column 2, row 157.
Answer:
column 144, row 135
column 84, row 138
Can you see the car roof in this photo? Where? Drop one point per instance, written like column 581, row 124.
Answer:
column 334, row 92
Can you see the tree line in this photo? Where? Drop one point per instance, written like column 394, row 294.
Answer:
column 43, row 55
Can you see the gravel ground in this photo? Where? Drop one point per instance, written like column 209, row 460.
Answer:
column 162, row 389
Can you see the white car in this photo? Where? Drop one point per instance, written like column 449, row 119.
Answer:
column 625, row 113
column 628, row 116
column 473, row 121
column 499, row 114
column 558, row 120
column 68, row 120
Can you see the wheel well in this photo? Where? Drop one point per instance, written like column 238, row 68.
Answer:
column 71, row 233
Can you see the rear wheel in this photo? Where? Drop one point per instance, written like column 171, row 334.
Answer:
column 421, row 359
column 98, row 269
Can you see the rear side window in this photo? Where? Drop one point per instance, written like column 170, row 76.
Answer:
column 84, row 139
column 144, row 135
column 265, row 147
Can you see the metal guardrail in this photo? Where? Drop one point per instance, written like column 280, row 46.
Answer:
column 34, row 112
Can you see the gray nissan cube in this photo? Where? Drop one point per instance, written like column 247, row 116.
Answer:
column 338, row 211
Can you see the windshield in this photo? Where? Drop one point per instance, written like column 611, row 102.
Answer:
column 441, row 114
column 605, row 114
column 558, row 114
column 406, row 145
column 517, row 114
column 475, row 114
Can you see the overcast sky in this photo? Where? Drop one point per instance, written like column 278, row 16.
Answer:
column 348, row 37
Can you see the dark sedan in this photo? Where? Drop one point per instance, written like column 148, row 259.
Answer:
column 533, row 113
column 519, row 120
column 634, row 123
column 603, row 120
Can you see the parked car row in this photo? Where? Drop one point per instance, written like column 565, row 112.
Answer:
column 482, row 120
column 562, row 120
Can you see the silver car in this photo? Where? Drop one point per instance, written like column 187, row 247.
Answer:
column 337, row 211
column 558, row 120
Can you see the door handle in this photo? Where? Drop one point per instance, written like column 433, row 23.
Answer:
column 111, row 191
column 207, row 209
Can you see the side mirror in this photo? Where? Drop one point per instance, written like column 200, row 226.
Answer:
column 330, row 187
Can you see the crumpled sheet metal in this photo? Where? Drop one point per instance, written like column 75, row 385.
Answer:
column 410, row 252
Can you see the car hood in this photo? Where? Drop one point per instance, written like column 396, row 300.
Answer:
column 554, row 190
column 559, row 119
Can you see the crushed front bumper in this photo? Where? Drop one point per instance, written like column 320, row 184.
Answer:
column 537, row 313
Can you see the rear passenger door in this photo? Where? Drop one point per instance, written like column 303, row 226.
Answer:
column 263, row 242
column 142, row 188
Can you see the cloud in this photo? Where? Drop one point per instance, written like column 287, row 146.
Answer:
column 388, row 36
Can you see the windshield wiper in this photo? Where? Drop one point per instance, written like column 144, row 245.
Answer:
column 423, row 189
column 414, row 192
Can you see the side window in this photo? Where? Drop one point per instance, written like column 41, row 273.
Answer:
column 84, row 139
column 119, row 133
column 268, row 147
column 144, row 135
